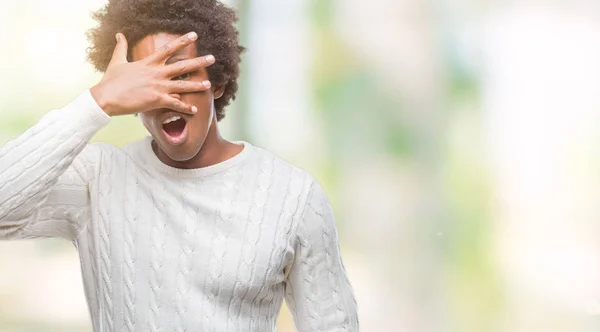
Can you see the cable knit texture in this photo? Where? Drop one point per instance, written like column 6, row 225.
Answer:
column 165, row 249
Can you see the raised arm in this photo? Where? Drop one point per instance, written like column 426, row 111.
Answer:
column 43, row 181
column 43, row 173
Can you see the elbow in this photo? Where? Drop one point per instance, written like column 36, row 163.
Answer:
column 13, row 222
column 12, row 229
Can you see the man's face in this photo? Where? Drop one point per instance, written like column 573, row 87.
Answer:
column 179, row 136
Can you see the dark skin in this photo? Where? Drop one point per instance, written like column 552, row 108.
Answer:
column 134, row 87
column 154, row 83
column 203, row 145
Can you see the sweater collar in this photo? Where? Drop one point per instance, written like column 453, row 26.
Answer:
column 156, row 163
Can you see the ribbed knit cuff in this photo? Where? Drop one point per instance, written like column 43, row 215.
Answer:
column 84, row 117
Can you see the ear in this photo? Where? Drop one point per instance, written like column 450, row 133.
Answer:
column 218, row 91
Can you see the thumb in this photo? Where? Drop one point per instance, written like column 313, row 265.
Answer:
column 120, row 52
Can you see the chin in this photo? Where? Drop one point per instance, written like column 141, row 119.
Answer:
column 180, row 153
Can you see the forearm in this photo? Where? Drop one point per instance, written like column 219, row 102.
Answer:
column 31, row 163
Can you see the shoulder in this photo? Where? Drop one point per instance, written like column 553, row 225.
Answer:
column 136, row 146
column 297, row 183
column 129, row 150
column 92, row 154
column 106, row 156
column 98, row 151
column 287, row 176
column 89, row 161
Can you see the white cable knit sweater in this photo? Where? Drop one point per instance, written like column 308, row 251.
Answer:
column 166, row 249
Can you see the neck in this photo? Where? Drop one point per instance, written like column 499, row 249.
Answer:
column 215, row 149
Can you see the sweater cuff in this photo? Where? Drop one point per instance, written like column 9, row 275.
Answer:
column 84, row 116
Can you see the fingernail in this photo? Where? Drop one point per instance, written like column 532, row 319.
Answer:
column 117, row 36
column 206, row 84
column 192, row 35
column 209, row 58
column 194, row 109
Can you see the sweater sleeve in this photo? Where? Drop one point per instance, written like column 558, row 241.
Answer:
column 318, row 292
column 44, row 174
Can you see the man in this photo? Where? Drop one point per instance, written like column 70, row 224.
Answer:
column 183, row 230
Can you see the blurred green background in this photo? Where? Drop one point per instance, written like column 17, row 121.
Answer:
column 457, row 141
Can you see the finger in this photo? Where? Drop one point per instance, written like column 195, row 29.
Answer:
column 179, row 106
column 188, row 66
column 120, row 51
column 163, row 53
column 186, row 86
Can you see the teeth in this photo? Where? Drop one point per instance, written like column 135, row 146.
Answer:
column 171, row 119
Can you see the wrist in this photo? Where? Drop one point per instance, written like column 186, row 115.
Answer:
column 101, row 99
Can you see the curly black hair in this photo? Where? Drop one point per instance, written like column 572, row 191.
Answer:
column 213, row 21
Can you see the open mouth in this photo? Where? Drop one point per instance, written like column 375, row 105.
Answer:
column 175, row 129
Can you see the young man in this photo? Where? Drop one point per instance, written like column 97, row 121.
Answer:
column 183, row 230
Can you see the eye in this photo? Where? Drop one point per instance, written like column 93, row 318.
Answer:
column 181, row 77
